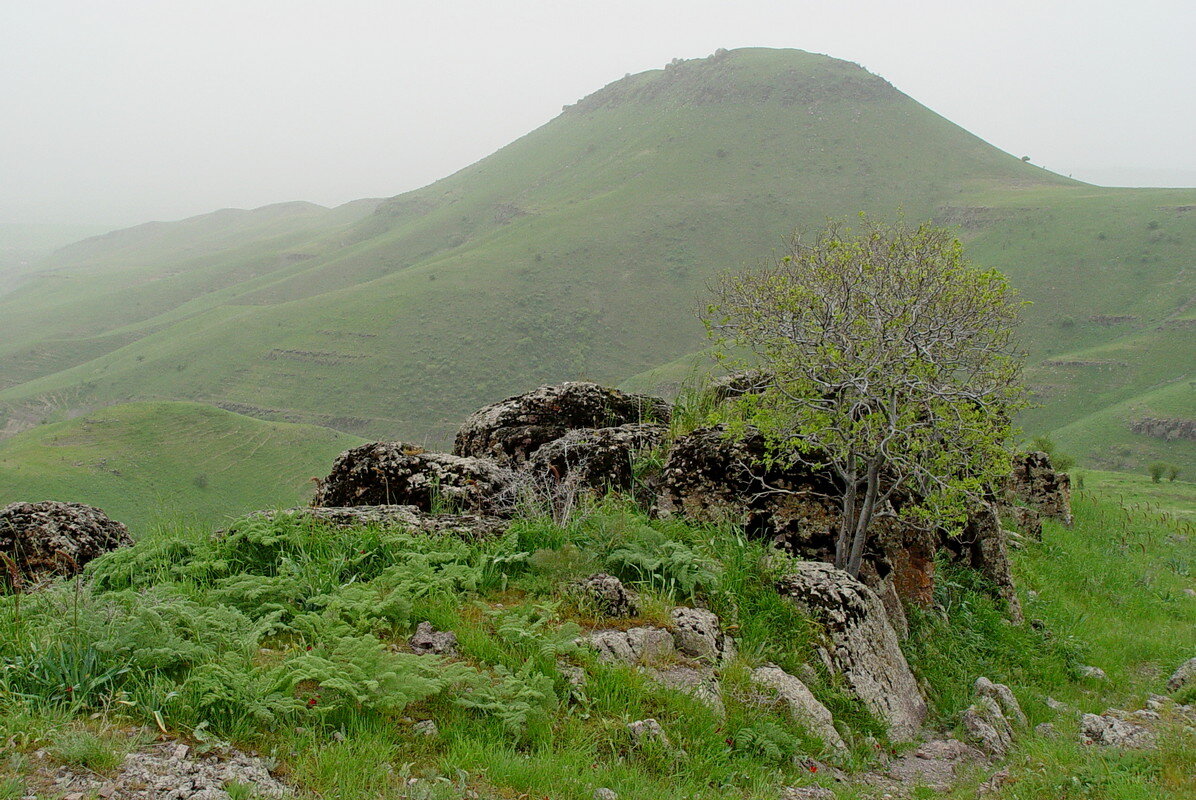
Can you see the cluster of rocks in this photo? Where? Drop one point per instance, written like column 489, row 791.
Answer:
column 44, row 540
column 994, row 718
column 555, row 441
column 859, row 644
column 168, row 771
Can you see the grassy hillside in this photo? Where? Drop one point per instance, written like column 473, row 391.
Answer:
column 580, row 251
column 147, row 462
column 282, row 638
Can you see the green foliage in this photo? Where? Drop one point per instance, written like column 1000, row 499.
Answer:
column 1156, row 471
column 82, row 748
column 515, row 699
column 864, row 381
column 648, row 556
column 768, row 741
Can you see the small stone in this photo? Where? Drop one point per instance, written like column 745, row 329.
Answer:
column 1185, row 674
column 605, row 794
column 428, row 641
column 1046, row 730
column 426, row 727
column 1108, row 730
column 1003, row 695
column 1190, row 592
column 800, row 703
column 607, row 596
column 1056, row 705
column 697, row 634
column 106, row 791
column 648, row 731
column 806, row 793
column 1093, row 673
column 181, row 751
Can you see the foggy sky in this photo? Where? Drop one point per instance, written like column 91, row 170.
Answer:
column 122, row 111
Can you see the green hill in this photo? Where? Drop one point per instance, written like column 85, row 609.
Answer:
column 580, row 251
column 144, row 462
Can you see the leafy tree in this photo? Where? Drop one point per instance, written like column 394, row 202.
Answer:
column 1157, row 470
column 1172, row 472
column 893, row 364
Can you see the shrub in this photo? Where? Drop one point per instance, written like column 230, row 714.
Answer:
column 1156, row 471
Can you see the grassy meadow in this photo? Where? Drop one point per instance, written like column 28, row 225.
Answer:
column 157, row 462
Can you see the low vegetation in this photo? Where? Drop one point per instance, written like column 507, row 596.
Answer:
column 287, row 637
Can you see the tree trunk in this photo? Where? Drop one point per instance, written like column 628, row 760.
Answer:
column 846, row 523
column 864, row 520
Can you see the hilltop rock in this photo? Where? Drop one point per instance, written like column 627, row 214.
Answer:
column 593, row 459
column 395, row 473
column 471, row 526
column 800, row 702
column 50, row 539
column 511, row 430
column 863, row 645
column 1035, row 482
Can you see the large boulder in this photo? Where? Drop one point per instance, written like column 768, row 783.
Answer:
column 862, row 644
column 799, row 702
column 593, row 459
column 396, row 473
column 49, row 539
column 1035, row 482
column 511, row 430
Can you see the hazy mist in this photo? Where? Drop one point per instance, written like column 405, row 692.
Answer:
column 121, row 112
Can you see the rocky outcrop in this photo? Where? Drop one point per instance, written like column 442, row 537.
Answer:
column 710, row 476
column 983, row 545
column 471, row 526
column 862, row 644
column 737, row 384
column 52, row 539
column 648, row 731
column 511, row 430
column 1035, row 482
column 701, row 684
column 171, row 770
column 594, row 459
column 395, row 473
column 799, row 702
column 1004, row 698
column 1169, row 429
column 606, row 596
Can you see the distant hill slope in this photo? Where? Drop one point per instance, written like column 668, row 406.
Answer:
column 581, row 250
column 143, row 462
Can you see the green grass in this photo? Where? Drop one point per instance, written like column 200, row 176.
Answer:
column 280, row 637
column 580, row 251
column 142, row 462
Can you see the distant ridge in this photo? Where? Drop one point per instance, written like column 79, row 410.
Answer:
column 580, row 251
